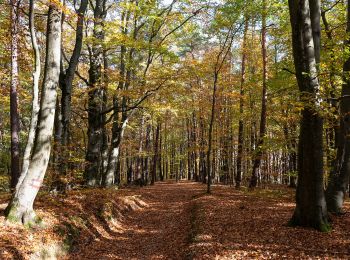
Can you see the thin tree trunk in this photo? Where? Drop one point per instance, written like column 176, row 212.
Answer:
column 202, row 161
column 331, row 90
column 119, row 124
column 220, row 60
column 238, row 178
column 56, row 151
column 292, row 156
column 35, row 99
column 195, row 148
column 210, row 133
column 145, row 158
column 262, row 132
column 14, row 114
column 160, row 155
column 189, row 147
column 156, row 155
column 105, row 136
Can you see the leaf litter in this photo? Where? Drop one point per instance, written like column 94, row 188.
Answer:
column 172, row 221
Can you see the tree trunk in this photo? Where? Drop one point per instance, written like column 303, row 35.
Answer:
column 189, row 152
column 20, row 208
column 291, row 156
column 160, row 156
column 339, row 177
column 259, row 149
column 202, row 162
column 145, row 157
column 66, row 83
column 35, row 100
column 119, row 124
column 238, row 178
column 195, row 148
column 117, row 135
column 331, row 91
column 210, row 133
column 14, row 114
column 311, row 208
column 156, row 154
column 56, row 151
column 96, row 124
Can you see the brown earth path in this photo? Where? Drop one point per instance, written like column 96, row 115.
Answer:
column 174, row 221
column 182, row 222
column 161, row 230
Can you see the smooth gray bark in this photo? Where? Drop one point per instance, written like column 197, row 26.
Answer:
column 20, row 208
column 35, row 99
column 117, row 136
column 119, row 124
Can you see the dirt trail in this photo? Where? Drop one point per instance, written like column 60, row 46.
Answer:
column 175, row 221
column 159, row 231
column 182, row 222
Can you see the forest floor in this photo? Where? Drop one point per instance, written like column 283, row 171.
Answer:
column 172, row 221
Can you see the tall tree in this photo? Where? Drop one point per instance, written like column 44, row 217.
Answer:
column 14, row 114
column 311, row 208
column 339, row 177
column 331, row 89
column 156, row 154
column 66, row 82
column 238, row 177
column 96, row 104
column 20, row 208
column 35, row 99
column 119, row 122
column 262, row 131
column 219, row 63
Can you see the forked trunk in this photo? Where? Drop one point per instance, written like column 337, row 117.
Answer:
column 35, row 100
column 96, row 106
column 20, row 208
column 311, row 208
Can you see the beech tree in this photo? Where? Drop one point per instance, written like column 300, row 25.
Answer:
column 262, row 130
column 66, row 85
column 96, row 149
column 35, row 99
column 14, row 114
column 220, row 61
column 20, row 208
column 311, row 208
column 339, row 176
column 238, row 177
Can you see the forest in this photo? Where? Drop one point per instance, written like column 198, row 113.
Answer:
column 174, row 129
